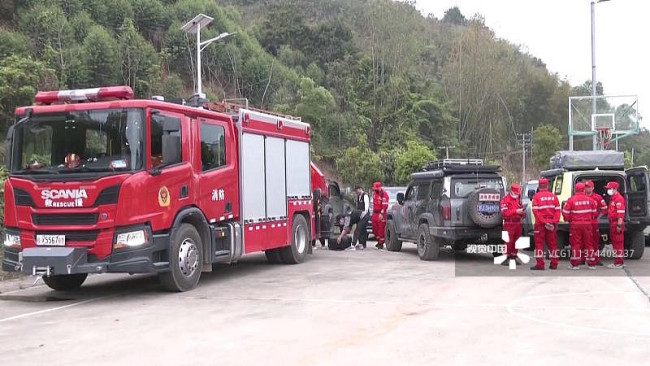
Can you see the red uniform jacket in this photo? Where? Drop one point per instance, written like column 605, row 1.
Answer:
column 509, row 207
column 601, row 205
column 579, row 208
column 546, row 208
column 380, row 202
column 616, row 208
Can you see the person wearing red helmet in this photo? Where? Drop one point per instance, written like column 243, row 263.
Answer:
column 616, row 215
column 379, row 208
column 512, row 212
column 601, row 207
column 546, row 209
column 579, row 212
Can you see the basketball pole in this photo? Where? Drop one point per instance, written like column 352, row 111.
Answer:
column 593, row 68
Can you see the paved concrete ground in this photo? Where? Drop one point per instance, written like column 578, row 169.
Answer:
column 339, row 308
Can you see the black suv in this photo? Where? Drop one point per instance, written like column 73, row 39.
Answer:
column 453, row 202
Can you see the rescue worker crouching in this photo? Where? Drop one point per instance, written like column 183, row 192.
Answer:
column 512, row 212
column 579, row 212
column 546, row 209
column 616, row 215
column 379, row 208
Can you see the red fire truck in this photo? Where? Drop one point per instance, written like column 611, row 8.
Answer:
column 103, row 183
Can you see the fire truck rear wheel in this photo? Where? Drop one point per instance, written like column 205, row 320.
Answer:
column 185, row 260
column 300, row 239
column 65, row 282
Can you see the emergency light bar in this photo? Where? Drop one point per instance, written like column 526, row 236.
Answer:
column 84, row 95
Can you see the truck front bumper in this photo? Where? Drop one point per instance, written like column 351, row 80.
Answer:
column 70, row 260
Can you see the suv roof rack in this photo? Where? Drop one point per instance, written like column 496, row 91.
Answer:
column 451, row 163
column 450, row 166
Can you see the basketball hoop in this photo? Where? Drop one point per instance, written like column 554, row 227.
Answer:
column 604, row 137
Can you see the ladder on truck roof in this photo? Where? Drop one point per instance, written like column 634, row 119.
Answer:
column 229, row 107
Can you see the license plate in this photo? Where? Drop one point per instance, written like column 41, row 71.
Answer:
column 488, row 208
column 50, row 240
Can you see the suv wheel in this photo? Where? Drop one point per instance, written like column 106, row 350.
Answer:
column 428, row 249
column 635, row 244
column 393, row 244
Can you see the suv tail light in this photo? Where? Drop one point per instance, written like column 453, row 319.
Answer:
column 446, row 210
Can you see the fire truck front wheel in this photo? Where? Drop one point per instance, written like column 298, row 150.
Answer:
column 300, row 239
column 65, row 282
column 184, row 260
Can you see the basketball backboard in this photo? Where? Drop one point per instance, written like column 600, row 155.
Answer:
column 618, row 113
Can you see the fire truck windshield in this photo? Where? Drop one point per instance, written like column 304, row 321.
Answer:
column 105, row 140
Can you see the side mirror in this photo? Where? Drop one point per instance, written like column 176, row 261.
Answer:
column 400, row 198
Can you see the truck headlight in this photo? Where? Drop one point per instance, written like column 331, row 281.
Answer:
column 131, row 239
column 12, row 240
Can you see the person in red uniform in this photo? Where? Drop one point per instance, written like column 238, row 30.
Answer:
column 512, row 212
column 601, row 207
column 616, row 223
column 379, row 208
column 546, row 208
column 579, row 212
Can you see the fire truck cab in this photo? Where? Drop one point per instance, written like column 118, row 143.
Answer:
column 103, row 183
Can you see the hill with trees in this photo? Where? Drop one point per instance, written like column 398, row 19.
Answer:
column 383, row 85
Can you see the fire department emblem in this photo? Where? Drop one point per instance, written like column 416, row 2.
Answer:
column 163, row 197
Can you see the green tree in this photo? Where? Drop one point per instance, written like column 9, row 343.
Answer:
column 13, row 43
column 150, row 17
column 314, row 106
column 627, row 158
column 81, row 23
column 139, row 60
column 101, row 58
column 411, row 160
column 20, row 79
column 546, row 141
column 358, row 165
column 454, row 16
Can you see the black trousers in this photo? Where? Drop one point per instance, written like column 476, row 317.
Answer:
column 361, row 231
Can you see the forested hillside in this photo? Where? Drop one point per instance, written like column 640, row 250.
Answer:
column 384, row 87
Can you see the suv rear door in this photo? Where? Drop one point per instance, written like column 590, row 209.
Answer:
column 637, row 193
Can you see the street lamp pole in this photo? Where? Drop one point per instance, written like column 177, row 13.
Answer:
column 199, row 86
column 194, row 26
